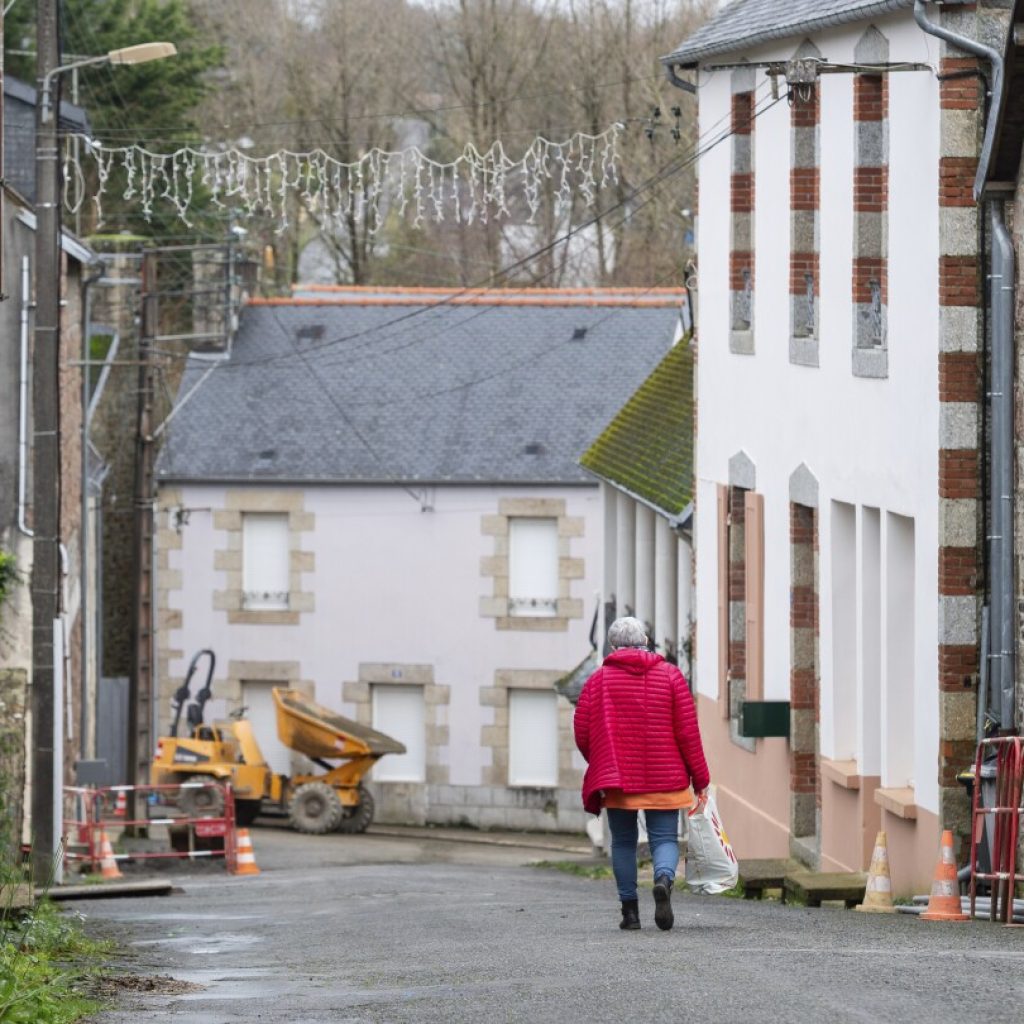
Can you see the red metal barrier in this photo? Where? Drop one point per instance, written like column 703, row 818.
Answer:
column 1006, row 813
column 95, row 812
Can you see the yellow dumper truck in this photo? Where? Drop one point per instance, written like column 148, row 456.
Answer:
column 332, row 800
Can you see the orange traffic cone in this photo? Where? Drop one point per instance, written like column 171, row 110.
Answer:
column 878, row 892
column 245, row 862
column 108, row 865
column 944, row 903
column 120, row 804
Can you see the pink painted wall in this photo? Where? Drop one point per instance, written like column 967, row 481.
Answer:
column 752, row 789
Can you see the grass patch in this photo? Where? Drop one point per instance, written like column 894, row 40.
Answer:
column 46, row 964
column 596, row 872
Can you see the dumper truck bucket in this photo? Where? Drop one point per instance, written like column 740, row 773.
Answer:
column 307, row 727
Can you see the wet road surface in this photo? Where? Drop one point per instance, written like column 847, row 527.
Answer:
column 406, row 927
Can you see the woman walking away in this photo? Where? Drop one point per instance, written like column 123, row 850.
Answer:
column 636, row 725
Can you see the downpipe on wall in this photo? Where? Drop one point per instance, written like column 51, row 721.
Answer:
column 26, row 307
column 1001, row 298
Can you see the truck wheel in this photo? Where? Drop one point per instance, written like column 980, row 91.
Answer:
column 357, row 818
column 205, row 802
column 314, row 808
column 247, row 811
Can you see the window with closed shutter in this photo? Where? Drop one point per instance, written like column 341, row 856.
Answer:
column 533, row 567
column 723, row 599
column 754, row 600
column 400, row 712
column 265, row 560
column 532, row 738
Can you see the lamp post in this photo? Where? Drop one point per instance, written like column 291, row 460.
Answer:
column 47, row 639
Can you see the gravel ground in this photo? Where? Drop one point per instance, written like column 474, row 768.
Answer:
column 412, row 927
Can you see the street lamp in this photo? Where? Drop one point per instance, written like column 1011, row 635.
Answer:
column 47, row 643
column 141, row 53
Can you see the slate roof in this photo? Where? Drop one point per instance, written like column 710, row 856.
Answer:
column 454, row 393
column 647, row 449
column 744, row 24
column 20, row 133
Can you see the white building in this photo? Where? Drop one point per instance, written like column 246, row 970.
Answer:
column 644, row 460
column 376, row 499
column 838, row 498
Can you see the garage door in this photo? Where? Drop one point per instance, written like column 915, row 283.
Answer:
column 259, row 700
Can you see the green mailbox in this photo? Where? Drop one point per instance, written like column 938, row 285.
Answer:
column 761, row 718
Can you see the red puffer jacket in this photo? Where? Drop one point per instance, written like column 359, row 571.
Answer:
column 636, row 725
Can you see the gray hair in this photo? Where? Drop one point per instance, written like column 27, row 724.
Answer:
column 627, row 632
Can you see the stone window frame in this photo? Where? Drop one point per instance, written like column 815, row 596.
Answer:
column 742, row 480
column 228, row 559
column 805, row 667
column 496, row 565
column 804, row 218
column 494, row 736
column 870, row 353
column 742, row 255
column 436, row 702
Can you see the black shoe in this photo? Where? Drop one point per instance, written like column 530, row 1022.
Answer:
column 630, row 915
column 663, row 916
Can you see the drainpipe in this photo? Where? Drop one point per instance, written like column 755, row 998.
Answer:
column 679, row 83
column 1001, row 453
column 88, row 655
column 995, row 61
column 1002, row 300
column 26, row 306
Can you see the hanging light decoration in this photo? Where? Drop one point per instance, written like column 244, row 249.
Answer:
column 474, row 187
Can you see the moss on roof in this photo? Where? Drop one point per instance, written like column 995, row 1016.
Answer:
column 647, row 448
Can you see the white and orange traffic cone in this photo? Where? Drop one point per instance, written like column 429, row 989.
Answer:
column 944, row 902
column 245, row 861
column 120, row 804
column 108, row 865
column 878, row 892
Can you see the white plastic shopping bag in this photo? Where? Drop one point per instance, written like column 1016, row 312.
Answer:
column 711, row 865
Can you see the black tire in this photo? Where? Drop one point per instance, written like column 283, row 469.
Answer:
column 314, row 809
column 357, row 817
column 247, row 811
column 205, row 802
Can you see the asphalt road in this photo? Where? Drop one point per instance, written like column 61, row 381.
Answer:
column 407, row 927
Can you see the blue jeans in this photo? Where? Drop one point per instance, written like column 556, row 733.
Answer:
column 663, row 833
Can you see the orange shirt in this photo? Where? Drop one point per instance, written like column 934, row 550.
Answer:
column 672, row 800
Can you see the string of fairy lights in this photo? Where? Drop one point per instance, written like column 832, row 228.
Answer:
column 475, row 187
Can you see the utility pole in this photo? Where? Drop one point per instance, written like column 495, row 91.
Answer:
column 47, row 734
column 2, row 51
column 140, row 693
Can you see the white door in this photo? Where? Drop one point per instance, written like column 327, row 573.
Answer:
column 262, row 712
column 399, row 712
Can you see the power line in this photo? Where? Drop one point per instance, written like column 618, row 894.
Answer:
column 229, row 127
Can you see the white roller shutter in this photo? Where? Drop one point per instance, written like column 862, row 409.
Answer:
column 262, row 713
column 399, row 712
column 265, row 560
column 532, row 738
column 533, row 567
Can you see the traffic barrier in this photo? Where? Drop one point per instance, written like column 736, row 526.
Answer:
column 878, row 892
column 944, row 904
column 93, row 817
column 245, row 860
column 1001, row 822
